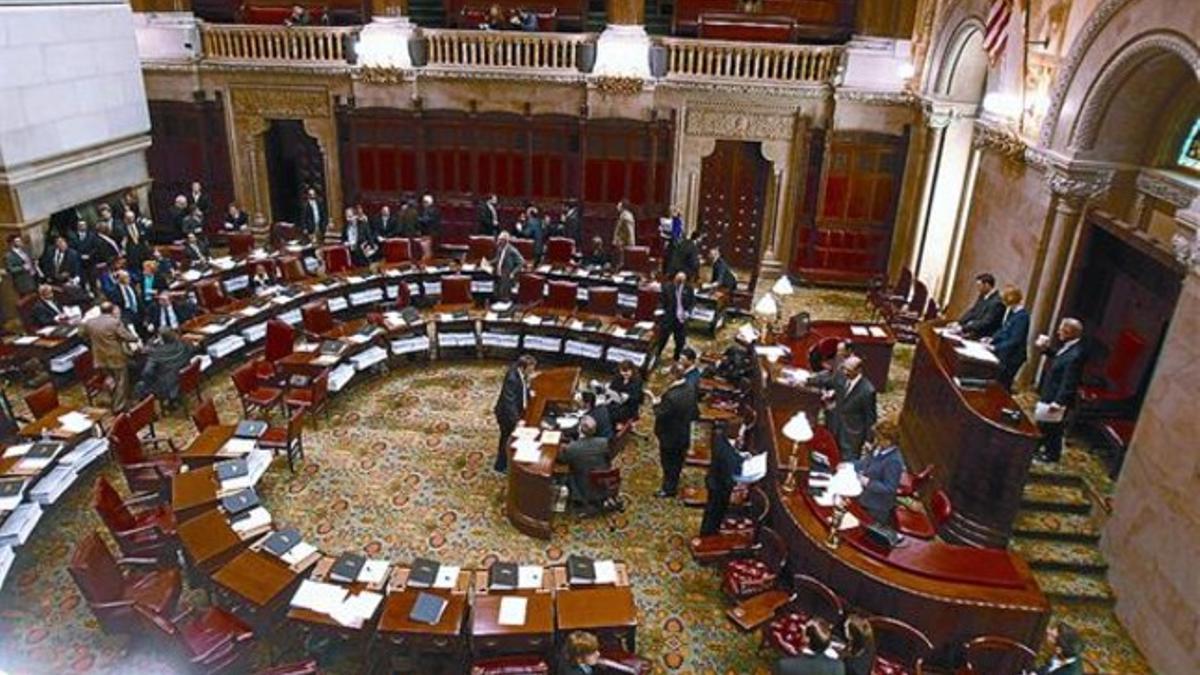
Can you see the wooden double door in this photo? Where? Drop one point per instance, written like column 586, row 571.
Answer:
column 733, row 194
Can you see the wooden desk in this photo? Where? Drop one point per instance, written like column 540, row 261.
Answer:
column 206, row 448
column 876, row 352
column 258, row 585
column 193, row 491
column 604, row 610
column 208, row 541
column 981, row 459
column 49, row 423
column 402, row 634
column 488, row 637
column 531, row 489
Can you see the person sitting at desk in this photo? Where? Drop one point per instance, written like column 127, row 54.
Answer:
column 196, row 250
column 46, row 311
column 582, row 655
column 984, row 317
column 879, row 472
column 1009, row 343
column 1066, row 658
column 726, row 464
column 859, row 654
column 235, row 219
column 164, row 360
column 598, row 256
column 628, row 391
column 817, row 657
column 167, row 315
column 598, row 414
column 722, row 274
column 584, row 455
column 510, row 404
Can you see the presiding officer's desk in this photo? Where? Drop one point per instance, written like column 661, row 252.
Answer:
column 981, row 458
column 950, row 592
column 531, row 489
column 873, row 342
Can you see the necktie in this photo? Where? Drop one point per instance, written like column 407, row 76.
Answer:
column 57, row 261
column 171, row 321
column 1007, row 313
column 130, row 298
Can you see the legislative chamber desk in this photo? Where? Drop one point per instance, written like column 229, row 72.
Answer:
column 981, row 458
column 874, row 347
column 531, row 489
column 950, row 592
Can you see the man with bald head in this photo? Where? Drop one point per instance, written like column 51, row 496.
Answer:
column 583, row 456
column 853, row 412
column 1060, row 381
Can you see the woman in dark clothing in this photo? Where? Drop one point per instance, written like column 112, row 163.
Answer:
column 628, row 384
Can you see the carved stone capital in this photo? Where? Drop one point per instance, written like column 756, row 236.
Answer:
column 939, row 115
column 1166, row 188
column 749, row 125
column 1001, row 141
column 1078, row 187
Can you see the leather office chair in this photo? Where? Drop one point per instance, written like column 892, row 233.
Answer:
column 94, row 382
column 921, row 525
column 479, row 247
column 456, row 290
column 880, row 295
column 288, row 439
column 317, row 319
column 144, row 472
column 562, row 295
column 606, row 486
column 280, row 341
column 560, row 250
column 142, row 417
column 189, row 382
column 254, row 397
column 42, row 401
column 810, row 598
column 996, row 654
column 240, row 243
column 530, row 289
column 647, row 302
column 142, row 526
column 336, row 259
column 205, row 416
column 900, row 649
column 396, row 250
column 748, row 517
column 112, row 591
column 911, row 311
column 1115, row 386
column 211, row 641
column 211, row 296
column 312, row 398
column 602, row 301
column 531, row 664
column 752, row 575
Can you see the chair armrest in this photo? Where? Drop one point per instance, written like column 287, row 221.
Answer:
column 156, row 442
column 140, row 465
column 138, row 561
column 115, row 604
column 220, row 648
column 160, row 622
column 138, row 530
column 145, row 497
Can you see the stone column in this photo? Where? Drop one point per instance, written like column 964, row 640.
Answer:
column 623, row 49
column 934, row 135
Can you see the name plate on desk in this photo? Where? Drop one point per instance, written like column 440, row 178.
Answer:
column 338, row 303
column 432, row 287
column 585, row 349
column 410, row 345
column 291, row 317
column 366, row 297
column 543, row 344
column 255, row 333
column 456, row 339
column 484, row 286
column 501, row 340
column 705, row 314
column 627, row 299
column 238, row 283
column 616, row 355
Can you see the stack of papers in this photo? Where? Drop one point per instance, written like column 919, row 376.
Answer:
column 65, row 362
column 369, row 357
column 512, row 611
column 257, row 462
column 52, row 485
column 859, row 331
column 319, row 597
column 254, row 519
column 6, row 561
column 526, row 451
column 85, row 453
column 236, row 447
column 298, row 553
column 374, row 572
column 16, row 450
column 12, row 491
column 339, row 377
column 526, row 432
column 19, row 524
column 976, row 351
column 878, row 332
column 356, row 610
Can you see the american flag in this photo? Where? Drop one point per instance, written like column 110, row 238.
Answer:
column 997, row 28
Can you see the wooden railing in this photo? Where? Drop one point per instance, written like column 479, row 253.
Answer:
column 513, row 51
column 751, row 62
column 309, row 45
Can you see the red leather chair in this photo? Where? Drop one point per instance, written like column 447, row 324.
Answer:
column 911, row 483
column 996, row 654
column 396, row 251
column 94, row 382
column 456, row 290
column 189, row 382
column 900, row 649
column 240, row 243
column 113, row 592
column 748, row 517
column 602, row 301
column 744, row 577
column 911, row 311
column 42, row 401
column 205, row 416
column 317, row 319
column 336, row 259
column 647, row 303
column 562, row 295
column 211, row 642
column 1117, row 382
column 637, row 259
column 285, row 233
column 479, row 247
column 918, row 524
column 524, row 247
column 511, row 665
column 211, row 296
column 255, row 398
column 531, row 288
column 311, row 398
column 292, row 269
column 280, row 341
column 143, row 472
column 560, row 250
column 288, row 440
column 142, row 526
column 810, row 598
column 142, row 417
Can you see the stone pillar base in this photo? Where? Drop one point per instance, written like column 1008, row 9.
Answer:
column 383, row 43
column 623, row 51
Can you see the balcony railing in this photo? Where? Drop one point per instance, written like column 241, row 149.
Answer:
column 751, row 62
column 281, row 45
column 507, row 51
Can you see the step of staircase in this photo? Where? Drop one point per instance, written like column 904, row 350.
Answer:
column 1049, row 525
column 1053, row 473
column 1064, row 556
column 1056, row 498
column 1073, row 588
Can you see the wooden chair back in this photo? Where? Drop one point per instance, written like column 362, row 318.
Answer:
column 42, row 401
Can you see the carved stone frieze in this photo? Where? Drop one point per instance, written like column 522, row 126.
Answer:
column 870, row 97
column 1167, row 189
column 740, row 124
column 1002, row 141
column 280, row 102
column 1078, row 186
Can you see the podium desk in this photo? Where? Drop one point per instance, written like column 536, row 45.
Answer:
column 981, row 457
column 194, row 491
column 208, row 541
column 531, row 490
column 257, row 585
column 490, row 638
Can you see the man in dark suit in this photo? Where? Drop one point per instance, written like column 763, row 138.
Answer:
column 586, row 454
column 674, row 413
column 1009, row 342
column 21, row 267
column 46, row 311
column 725, row 465
column 314, row 217
column 598, row 414
column 1066, row 658
column 510, row 405
column 107, row 248
column 572, row 225
column 598, row 256
column 429, row 220
column 61, row 264
column 193, row 223
column 160, row 373
column 385, row 224
column 816, row 658
column 198, row 198
column 1059, row 385
column 676, row 300
column 508, row 262
column 356, row 236
column 722, row 274
column 879, row 472
column 408, row 220
column 629, row 390
column 125, row 296
column 688, row 361
column 165, row 313
column 684, row 257
column 984, row 317
column 488, row 217
column 853, row 414
column 196, row 250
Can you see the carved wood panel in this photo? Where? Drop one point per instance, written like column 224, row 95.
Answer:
column 733, row 185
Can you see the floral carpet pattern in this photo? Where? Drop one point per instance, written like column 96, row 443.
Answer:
column 401, row 469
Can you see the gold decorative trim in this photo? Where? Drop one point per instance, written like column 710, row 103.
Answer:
column 618, row 86
column 280, row 102
column 742, row 124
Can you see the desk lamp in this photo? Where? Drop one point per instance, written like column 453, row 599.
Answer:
column 844, row 485
column 798, row 431
column 767, row 308
column 783, row 287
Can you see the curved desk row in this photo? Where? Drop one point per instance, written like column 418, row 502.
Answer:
column 950, row 592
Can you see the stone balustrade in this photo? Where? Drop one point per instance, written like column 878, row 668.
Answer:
column 751, row 62
column 473, row 49
column 282, row 45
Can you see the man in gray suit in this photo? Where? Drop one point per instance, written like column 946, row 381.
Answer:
column 508, row 262
column 853, row 413
column 587, row 454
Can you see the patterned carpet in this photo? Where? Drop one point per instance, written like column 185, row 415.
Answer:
column 403, row 470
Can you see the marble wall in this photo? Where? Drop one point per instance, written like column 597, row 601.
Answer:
column 1152, row 540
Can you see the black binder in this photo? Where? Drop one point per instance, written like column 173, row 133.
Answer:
column 423, row 573
column 250, row 429
column 581, row 570
column 11, row 487
column 502, row 576
column 44, row 450
column 331, row 348
column 279, row 542
column 428, row 609
column 347, row 567
column 240, row 501
column 232, row 468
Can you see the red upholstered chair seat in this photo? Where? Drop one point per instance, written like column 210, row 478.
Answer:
column 747, row 576
column 211, row 629
column 736, row 524
column 786, row 633
column 511, row 665
column 914, row 523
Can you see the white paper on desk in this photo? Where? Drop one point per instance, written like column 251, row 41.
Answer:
column 527, row 451
column 319, row 597
column 794, row 376
column 512, row 611
column 532, row 320
column 236, row 447
column 770, row 352
column 551, row 437
column 373, row 572
column 526, row 432
column 976, row 351
column 26, row 340
column 606, row 572
column 298, row 553
column 1042, row 412
column 753, row 469
column 17, row 450
column 75, row 422
column 447, row 576
column 878, row 332
column 20, row 524
column 529, row 577
column 860, row 331
column 356, row 609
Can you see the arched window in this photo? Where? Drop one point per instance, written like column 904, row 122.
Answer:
column 1189, row 153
